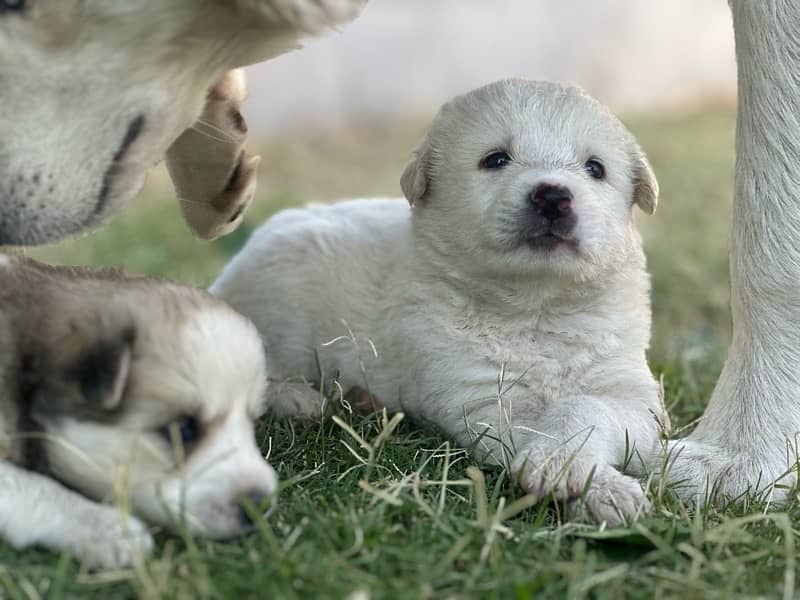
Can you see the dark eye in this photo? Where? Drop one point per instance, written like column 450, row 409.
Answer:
column 11, row 5
column 595, row 169
column 186, row 428
column 496, row 160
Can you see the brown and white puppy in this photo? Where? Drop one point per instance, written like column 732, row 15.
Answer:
column 129, row 390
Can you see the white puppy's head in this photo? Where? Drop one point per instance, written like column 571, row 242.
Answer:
column 522, row 177
column 152, row 399
column 95, row 91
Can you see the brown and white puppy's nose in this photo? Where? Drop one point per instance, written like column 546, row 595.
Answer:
column 551, row 201
column 257, row 500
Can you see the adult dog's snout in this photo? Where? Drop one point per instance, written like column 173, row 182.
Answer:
column 551, row 201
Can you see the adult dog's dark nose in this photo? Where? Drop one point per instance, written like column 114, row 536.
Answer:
column 552, row 201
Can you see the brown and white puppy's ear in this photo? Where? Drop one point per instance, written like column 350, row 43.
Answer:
column 416, row 179
column 645, row 185
column 214, row 176
column 85, row 373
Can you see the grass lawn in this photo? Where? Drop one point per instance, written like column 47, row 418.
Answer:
column 365, row 516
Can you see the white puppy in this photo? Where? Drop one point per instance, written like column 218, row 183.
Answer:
column 510, row 306
column 129, row 390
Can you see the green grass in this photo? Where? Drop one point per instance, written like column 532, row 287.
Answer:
column 414, row 522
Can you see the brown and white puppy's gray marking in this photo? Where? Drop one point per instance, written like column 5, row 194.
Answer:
column 128, row 390
column 512, row 300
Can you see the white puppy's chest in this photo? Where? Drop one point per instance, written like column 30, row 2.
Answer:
column 537, row 362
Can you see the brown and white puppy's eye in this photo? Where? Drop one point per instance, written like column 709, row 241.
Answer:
column 182, row 433
column 495, row 160
column 595, row 169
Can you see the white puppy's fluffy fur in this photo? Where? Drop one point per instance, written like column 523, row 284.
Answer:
column 463, row 311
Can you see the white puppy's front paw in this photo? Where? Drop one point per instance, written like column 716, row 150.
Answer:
column 702, row 472
column 110, row 540
column 611, row 498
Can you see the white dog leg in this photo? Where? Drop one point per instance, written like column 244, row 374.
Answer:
column 748, row 436
column 36, row 510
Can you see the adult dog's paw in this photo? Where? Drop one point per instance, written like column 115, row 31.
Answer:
column 309, row 16
column 702, row 472
column 600, row 492
column 111, row 540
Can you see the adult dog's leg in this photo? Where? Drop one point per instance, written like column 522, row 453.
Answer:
column 748, row 436
column 214, row 175
column 36, row 510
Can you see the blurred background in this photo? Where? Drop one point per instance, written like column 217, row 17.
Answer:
column 340, row 118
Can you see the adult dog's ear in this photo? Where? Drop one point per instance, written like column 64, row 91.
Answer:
column 85, row 375
column 415, row 181
column 645, row 185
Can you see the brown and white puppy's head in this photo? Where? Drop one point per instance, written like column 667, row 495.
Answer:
column 148, row 392
column 523, row 177
column 95, row 92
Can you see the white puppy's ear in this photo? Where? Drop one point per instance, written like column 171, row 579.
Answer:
column 415, row 179
column 645, row 185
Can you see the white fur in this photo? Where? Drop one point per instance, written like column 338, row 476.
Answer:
column 62, row 159
column 4, row 260
column 36, row 510
column 748, row 437
column 443, row 313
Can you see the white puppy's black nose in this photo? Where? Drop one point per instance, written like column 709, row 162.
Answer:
column 551, row 201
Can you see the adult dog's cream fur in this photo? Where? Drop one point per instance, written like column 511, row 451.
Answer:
column 127, row 390
column 748, row 438
column 94, row 93
column 521, row 333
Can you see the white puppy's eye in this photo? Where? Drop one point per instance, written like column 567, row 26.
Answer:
column 495, row 160
column 11, row 5
column 595, row 169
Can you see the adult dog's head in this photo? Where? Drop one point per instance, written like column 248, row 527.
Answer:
column 141, row 392
column 523, row 177
column 94, row 92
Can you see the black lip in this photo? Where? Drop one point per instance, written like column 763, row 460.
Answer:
column 549, row 241
column 134, row 129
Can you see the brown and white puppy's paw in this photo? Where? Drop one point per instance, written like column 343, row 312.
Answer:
column 213, row 174
column 37, row 510
column 114, row 541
